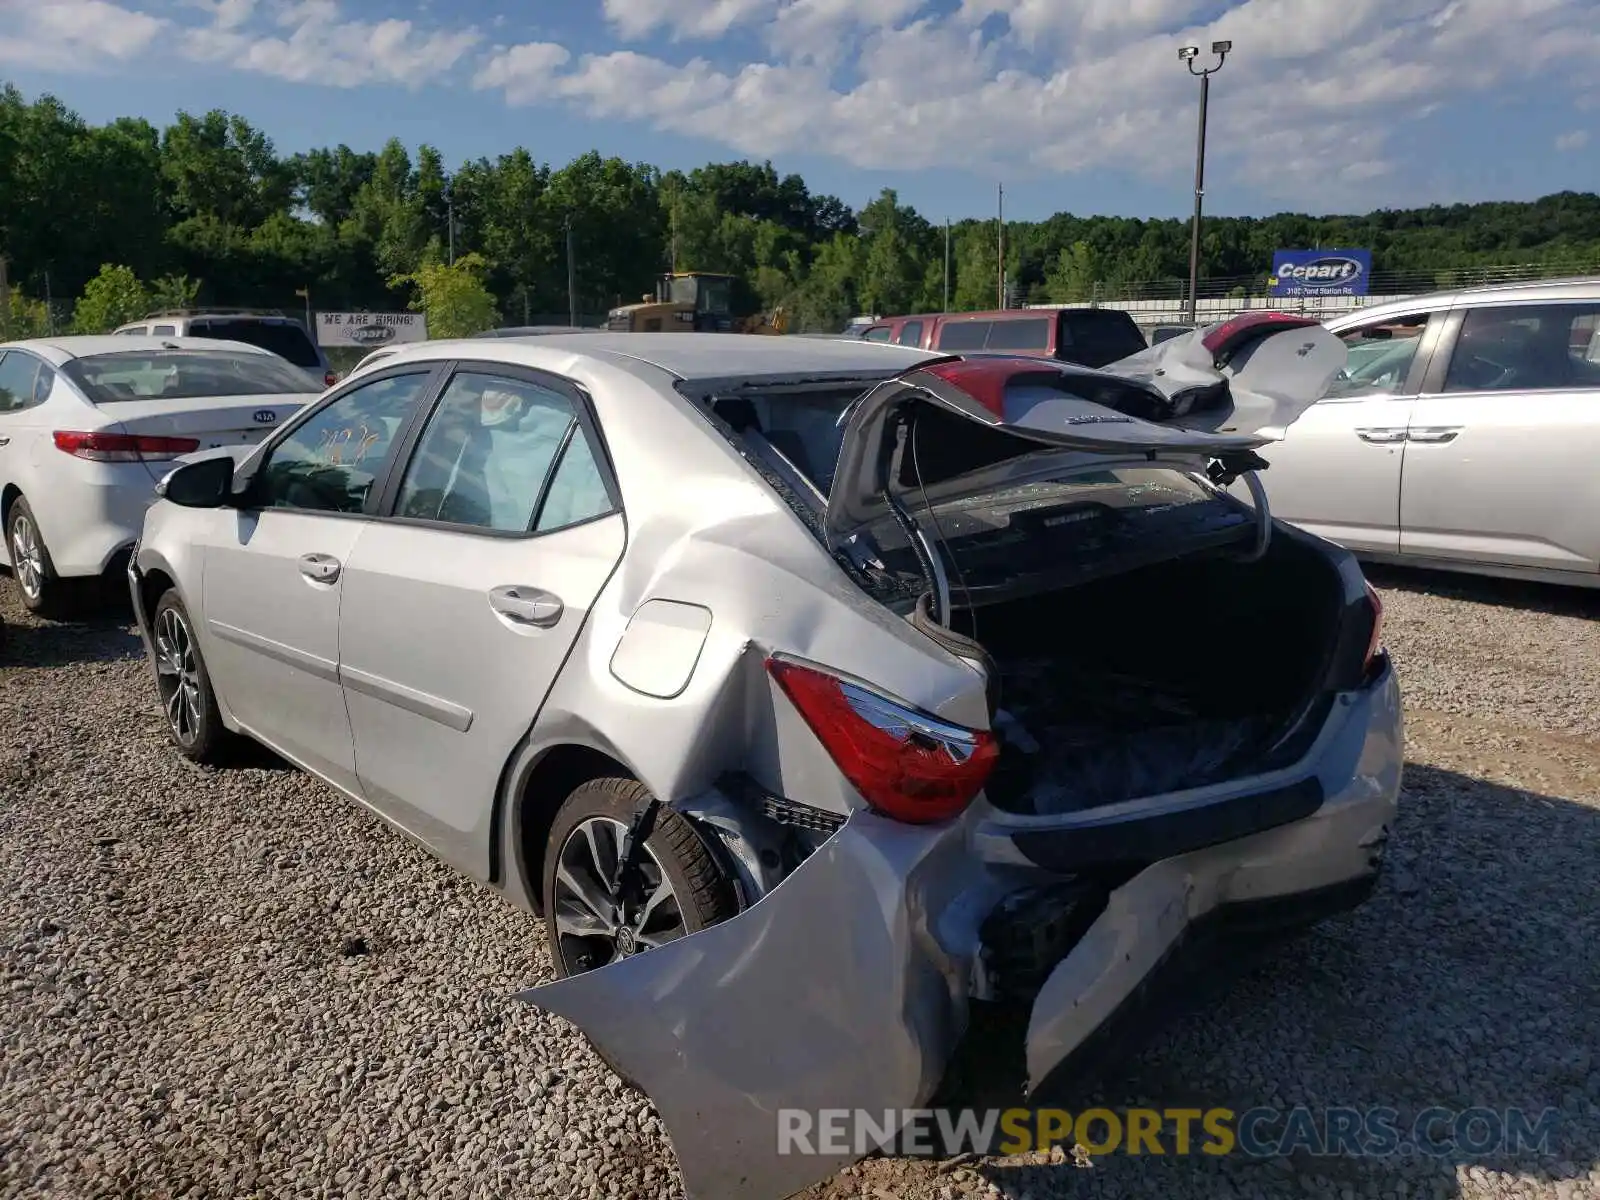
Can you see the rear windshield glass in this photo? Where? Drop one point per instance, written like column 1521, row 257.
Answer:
column 282, row 338
column 185, row 375
column 1098, row 337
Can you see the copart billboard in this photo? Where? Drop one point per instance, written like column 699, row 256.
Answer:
column 1320, row 272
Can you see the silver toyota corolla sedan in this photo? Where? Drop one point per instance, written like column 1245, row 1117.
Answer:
column 810, row 690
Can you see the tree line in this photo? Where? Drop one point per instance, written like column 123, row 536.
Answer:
column 105, row 219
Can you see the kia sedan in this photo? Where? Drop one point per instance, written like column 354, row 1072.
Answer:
column 1462, row 435
column 809, row 690
column 87, row 426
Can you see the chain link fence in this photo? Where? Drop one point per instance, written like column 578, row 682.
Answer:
column 1154, row 301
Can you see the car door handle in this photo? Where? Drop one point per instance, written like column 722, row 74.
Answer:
column 320, row 568
column 1435, row 436
column 5, row 441
column 526, row 605
column 1382, row 437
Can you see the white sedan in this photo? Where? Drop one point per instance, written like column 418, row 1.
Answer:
column 89, row 424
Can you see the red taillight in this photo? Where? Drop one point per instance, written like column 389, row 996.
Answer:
column 1375, row 643
column 122, row 447
column 906, row 764
column 1232, row 334
column 985, row 380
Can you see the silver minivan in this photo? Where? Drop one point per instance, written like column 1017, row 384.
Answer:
column 1463, row 434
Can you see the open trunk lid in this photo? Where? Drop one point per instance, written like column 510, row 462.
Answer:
column 1210, row 396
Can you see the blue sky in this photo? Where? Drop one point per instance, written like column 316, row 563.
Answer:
column 1077, row 105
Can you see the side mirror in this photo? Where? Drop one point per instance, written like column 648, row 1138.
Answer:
column 204, row 484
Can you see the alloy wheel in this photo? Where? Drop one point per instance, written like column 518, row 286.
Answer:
column 178, row 675
column 594, row 925
column 27, row 556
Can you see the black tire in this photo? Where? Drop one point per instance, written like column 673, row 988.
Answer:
column 40, row 589
column 194, row 722
column 703, row 892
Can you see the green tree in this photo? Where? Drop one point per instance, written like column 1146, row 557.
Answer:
column 23, row 317
column 113, row 297
column 173, row 291
column 452, row 295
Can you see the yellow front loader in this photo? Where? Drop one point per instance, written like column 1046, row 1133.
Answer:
column 692, row 302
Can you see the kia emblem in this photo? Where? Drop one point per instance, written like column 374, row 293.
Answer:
column 265, row 416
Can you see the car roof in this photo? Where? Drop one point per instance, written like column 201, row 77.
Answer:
column 1547, row 290
column 69, row 346
column 689, row 356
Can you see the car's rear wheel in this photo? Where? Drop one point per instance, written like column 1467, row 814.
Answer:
column 42, row 591
column 682, row 887
column 187, row 700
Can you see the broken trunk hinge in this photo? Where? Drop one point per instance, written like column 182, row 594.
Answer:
column 627, row 885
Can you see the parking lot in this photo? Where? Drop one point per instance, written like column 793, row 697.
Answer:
column 234, row 983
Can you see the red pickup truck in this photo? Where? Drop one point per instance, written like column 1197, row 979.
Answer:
column 1090, row 337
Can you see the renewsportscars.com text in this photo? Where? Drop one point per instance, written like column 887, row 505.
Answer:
column 1256, row 1132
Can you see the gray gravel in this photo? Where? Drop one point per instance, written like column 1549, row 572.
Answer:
column 233, row 983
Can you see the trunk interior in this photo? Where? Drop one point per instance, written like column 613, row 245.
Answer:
column 1168, row 677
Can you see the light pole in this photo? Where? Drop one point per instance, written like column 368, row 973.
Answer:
column 1189, row 54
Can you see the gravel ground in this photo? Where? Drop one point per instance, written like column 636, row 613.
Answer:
column 228, row 984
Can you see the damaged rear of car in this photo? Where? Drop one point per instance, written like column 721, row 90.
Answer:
column 1094, row 710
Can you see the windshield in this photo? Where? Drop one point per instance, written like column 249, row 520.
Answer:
column 185, row 375
column 283, row 338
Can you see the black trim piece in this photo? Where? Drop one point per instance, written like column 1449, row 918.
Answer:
column 1431, row 381
column 1160, row 994
column 1148, row 839
column 550, row 475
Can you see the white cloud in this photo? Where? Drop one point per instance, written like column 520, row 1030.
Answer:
column 635, row 19
column 74, row 35
column 1306, row 106
column 312, row 41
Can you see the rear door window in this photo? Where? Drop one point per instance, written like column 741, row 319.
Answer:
column 504, row 455
column 1525, row 348
column 964, row 335
column 1030, row 334
column 19, row 375
column 283, row 338
column 910, row 334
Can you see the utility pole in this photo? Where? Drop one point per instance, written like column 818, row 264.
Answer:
column 572, row 277
column 49, row 306
column 1189, row 54
column 450, row 221
column 1000, row 249
column 305, row 292
column 947, row 264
